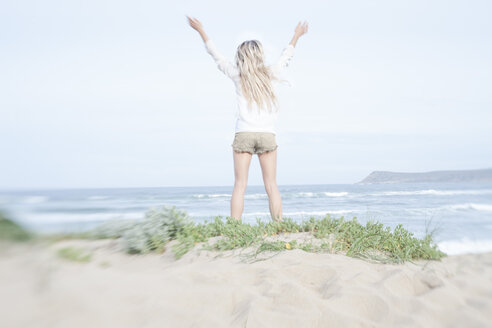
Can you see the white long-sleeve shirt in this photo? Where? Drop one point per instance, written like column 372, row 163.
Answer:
column 250, row 119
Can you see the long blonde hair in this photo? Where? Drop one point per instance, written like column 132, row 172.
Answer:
column 256, row 77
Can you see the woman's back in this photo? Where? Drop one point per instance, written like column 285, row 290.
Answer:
column 250, row 117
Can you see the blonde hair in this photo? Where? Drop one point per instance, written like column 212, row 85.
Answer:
column 256, row 77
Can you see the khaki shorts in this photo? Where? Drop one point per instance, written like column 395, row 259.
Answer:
column 254, row 142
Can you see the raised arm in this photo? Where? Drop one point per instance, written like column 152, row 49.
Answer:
column 223, row 64
column 300, row 30
column 197, row 25
column 288, row 51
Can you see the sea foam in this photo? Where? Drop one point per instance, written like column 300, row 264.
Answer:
column 434, row 192
column 471, row 206
column 464, row 246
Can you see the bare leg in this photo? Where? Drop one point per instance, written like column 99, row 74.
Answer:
column 268, row 163
column 241, row 170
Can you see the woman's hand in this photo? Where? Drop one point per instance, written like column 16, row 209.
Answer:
column 301, row 29
column 197, row 25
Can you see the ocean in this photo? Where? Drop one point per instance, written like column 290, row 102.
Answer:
column 460, row 214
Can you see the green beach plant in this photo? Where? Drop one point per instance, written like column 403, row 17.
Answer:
column 372, row 241
column 153, row 232
column 12, row 231
column 74, row 254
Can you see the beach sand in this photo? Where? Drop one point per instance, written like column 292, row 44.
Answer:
column 292, row 288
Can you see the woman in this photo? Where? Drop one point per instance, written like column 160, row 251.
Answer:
column 255, row 124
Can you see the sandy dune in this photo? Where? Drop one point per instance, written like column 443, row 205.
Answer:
column 290, row 289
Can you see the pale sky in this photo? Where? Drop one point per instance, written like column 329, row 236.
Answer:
column 124, row 94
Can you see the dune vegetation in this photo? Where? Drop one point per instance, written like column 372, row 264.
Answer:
column 12, row 231
column 373, row 241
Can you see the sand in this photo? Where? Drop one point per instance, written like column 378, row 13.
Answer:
column 292, row 288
